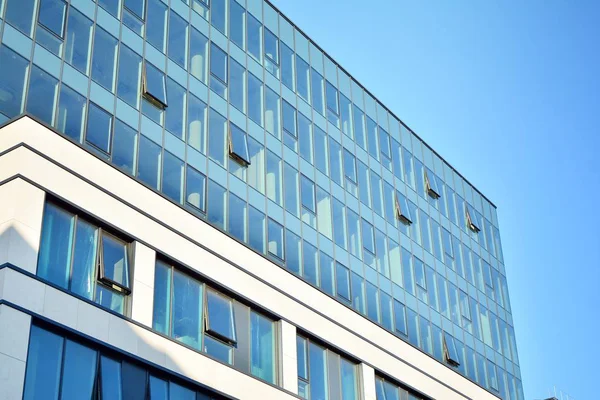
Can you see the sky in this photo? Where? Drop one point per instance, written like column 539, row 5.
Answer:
column 508, row 92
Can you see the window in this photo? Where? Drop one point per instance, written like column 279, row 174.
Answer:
column 104, row 59
column 287, row 67
column 346, row 116
column 172, row 177
column 133, row 15
column 473, row 219
column 157, row 19
column 149, row 160
column 218, row 70
column 431, row 183
column 218, row 15
column 99, row 129
column 289, row 119
column 175, row 114
column 237, row 26
column 275, row 232
column 217, row 201
column 254, row 103
column 198, row 55
column 342, row 277
column 387, row 390
column 400, row 318
column 302, row 78
column 372, row 138
column 237, row 84
column 130, row 71
column 178, row 39
column 450, row 352
column 402, row 209
column 67, row 367
column 350, row 171
column 83, row 258
column 71, row 113
column 51, row 25
column 124, row 147
column 195, row 188
column 317, row 91
column 238, row 145
column 78, row 39
column 335, row 161
column 43, row 91
column 254, row 37
column 271, row 53
column 154, row 86
column 305, row 138
column 193, row 313
column 272, row 112
column 333, row 106
column 323, row 373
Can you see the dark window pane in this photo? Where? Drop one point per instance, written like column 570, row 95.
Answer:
column 83, row 277
column 99, row 127
column 110, row 379
column 136, row 7
column 103, row 62
column 293, row 256
column 130, row 74
column 195, row 189
column 41, row 98
column 157, row 21
column 358, row 293
column 55, row 249
column 12, row 79
column 114, row 260
column 327, row 273
column 372, row 302
column 124, row 147
column 159, row 389
column 237, row 218
column 71, row 113
column 52, row 15
column 172, row 177
column 149, row 162
column 218, row 63
column 318, row 372
column 180, row 393
column 79, row 372
column 217, row 197
column 400, row 318
column 311, row 263
column 44, row 361
column 20, row 14
column 187, row 310
column 256, row 225
column 136, row 382
column 301, row 350
column 342, row 277
column 178, row 39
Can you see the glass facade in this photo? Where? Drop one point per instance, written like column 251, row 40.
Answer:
column 230, row 111
column 60, row 366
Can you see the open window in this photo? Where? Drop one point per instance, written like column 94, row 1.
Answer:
column 238, row 145
column 154, row 86
column 113, row 265
column 402, row 210
column 473, row 221
column 450, row 352
column 219, row 318
column 432, row 187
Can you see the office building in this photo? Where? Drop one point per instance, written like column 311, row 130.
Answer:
column 196, row 201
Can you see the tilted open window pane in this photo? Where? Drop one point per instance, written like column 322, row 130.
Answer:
column 432, row 186
column 238, row 145
column 450, row 350
column 114, row 265
column 473, row 221
column 155, row 86
column 52, row 16
column 402, row 210
column 219, row 317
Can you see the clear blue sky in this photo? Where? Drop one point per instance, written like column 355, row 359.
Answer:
column 509, row 93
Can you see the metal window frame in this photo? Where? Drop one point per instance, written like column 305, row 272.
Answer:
column 241, row 159
column 431, row 184
column 147, row 94
column 471, row 221
column 102, row 278
column 231, row 341
column 402, row 210
column 452, row 359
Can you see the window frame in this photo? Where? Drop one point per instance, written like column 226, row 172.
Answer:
column 472, row 222
column 146, row 94
column 431, row 184
column 112, row 284
column 241, row 159
column 231, row 341
column 450, row 351
column 402, row 209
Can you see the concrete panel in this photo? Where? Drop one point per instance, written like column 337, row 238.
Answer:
column 142, row 303
column 12, row 377
column 14, row 335
column 60, row 307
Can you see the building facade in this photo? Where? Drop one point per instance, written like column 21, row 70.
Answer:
column 200, row 203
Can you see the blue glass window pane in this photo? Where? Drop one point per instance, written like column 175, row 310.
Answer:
column 358, row 293
column 187, row 310
column 198, row 55
column 155, row 86
column 272, row 113
column 287, row 67
column 372, row 303
column 302, row 78
column 157, row 20
column 218, row 349
column 387, row 312
column 149, row 162
column 237, row 218
column 99, row 127
column 320, row 146
column 289, row 118
column 349, row 166
column 262, row 347
column 79, row 372
column 136, row 379
column 41, row 99
column 137, row 7
column 83, row 276
column 237, row 31
column 105, row 59
column 308, row 194
column 20, row 14
column 342, row 276
column 178, row 39
column 78, row 41
column 413, row 327
column 130, row 76
column 332, row 101
column 124, row 147
column 317, row 91
column 293, row 260
column 172, row 177
column 159, row 389
column 254, row 37
column 109, row 299
column 276, row 240
column 71, row 113
column 238, row 144
column 195, row 189
column 218, row 12
column 349, row 381
column 318, row 372
column 177, row 392
column 44, row 359
column 359, row 128
column 52, row 15
column 217, row 145
column 301, row 350
column 335, row 161
column 274, row 181
column 12, row 79
column 217, row 197
column 311, row 263
column 254, row 104
column 115, row 261
column 218, row 70
column 327, row 273
column 197, row 119
column 256, row 225
column 346, row 116
column 237, row 84
column 55, row 249
column 161, row 314
column 110, row 374
column 305, row 138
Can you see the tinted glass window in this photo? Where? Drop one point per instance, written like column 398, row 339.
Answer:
column 12, row 80
column 52, row 15
column 99, row 127
column 44, row 360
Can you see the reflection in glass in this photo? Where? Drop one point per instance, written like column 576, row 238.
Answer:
column 44, row 360
column 79, row 372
